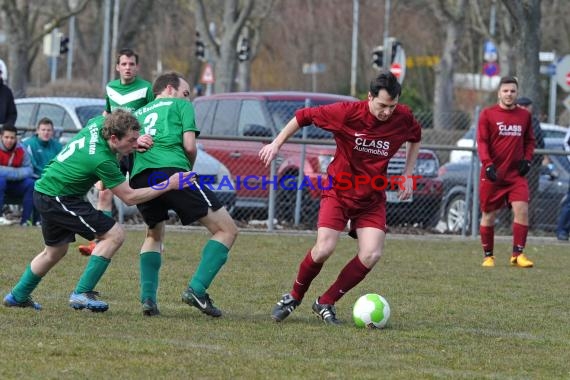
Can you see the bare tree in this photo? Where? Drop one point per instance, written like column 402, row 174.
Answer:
column 453, row 19
column 24, row 20
column 526, row 15
column 222, row 47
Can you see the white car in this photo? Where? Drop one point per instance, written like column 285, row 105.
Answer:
column 551, row 132
column 69, row 115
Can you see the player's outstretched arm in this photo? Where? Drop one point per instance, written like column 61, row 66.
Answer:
column 269, row 151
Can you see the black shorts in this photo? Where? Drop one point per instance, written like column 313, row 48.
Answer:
column 63, row 217
column 190, row 204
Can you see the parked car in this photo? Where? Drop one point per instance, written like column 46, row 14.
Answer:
column 69, row 115
column 239, row 116
column 552, row 133
column 552, row 189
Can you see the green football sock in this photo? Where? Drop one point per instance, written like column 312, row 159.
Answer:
column 109, row 213
column 149, row 271
column 96, row 266
column 214, row 255
column 28, row 282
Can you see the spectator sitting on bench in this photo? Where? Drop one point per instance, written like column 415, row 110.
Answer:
column 16, row 173
column 42, row 147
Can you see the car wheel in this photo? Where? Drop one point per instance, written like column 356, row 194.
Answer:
column 455, row 214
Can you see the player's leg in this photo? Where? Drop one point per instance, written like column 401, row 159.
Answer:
column 214, row 256
column 111, row 237
column 105, row 205
column 370, row 226
column 150, row 260
column 20, row 295
column 520, row 232
column 491, row 200
column 332, row 220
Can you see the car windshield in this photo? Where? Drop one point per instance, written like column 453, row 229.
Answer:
column 84, row 113
column 281, row 111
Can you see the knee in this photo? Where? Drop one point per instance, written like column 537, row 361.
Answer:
column 369, row 259
column 116, row 235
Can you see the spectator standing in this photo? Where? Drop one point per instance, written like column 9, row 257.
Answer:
column 505, row 142
column 8, row 112
column 563, row 228
column 128, row 92
column 16, row 173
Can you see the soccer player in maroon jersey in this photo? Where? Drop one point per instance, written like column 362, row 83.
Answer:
column 505, row 142
column 367, row 134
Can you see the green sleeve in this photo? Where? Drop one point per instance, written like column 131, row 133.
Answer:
column 110, row 173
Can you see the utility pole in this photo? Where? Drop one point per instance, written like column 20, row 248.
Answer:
column 387, row 41
column 106, row 32
column 354, row 53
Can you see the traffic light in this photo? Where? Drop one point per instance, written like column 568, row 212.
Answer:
column 243, row 50
column 63, row 48
column 200, row 48
column 377, row 57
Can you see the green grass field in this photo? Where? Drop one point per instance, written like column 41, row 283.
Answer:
column 451, row 318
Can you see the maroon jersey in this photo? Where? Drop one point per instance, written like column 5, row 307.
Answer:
column 364, row 145
column 504, row 138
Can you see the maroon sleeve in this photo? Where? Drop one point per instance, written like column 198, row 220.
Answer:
column 483, row 140
column 329, row 117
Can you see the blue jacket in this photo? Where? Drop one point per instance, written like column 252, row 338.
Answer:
column 41, row 152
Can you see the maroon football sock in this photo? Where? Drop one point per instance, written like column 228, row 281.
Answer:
column 487, row 239
column 348, row 278
column 308, row 270
column 520, row 232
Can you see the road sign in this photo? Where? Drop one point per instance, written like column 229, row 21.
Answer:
column 207, row 76
column 490, row 69
column 396, row 69
column 490, row 51
column 562, row 71
column 314, row 68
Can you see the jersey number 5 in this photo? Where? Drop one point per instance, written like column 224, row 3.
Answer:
column 70, row 149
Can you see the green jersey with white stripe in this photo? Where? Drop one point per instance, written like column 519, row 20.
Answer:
column 86, row 159
column 166, row 120
column 130, row 96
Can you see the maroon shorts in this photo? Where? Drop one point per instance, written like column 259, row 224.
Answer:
column 333, row 214
column 495, row 197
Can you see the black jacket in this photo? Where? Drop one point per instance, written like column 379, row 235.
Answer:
column 8, row 112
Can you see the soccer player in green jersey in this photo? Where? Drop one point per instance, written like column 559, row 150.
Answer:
column 129, row 92
column 59, row 197
column 169, row 119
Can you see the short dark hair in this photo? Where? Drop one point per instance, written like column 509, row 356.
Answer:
column 129, row 53
column 387, row 81
column 45, row 120
column 8, row 127
column 171, row 78
column 508, row 80
column 119, row 123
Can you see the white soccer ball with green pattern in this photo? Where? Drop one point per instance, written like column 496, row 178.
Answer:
column 372, row 311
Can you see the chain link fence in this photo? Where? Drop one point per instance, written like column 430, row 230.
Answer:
column 286, row 194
